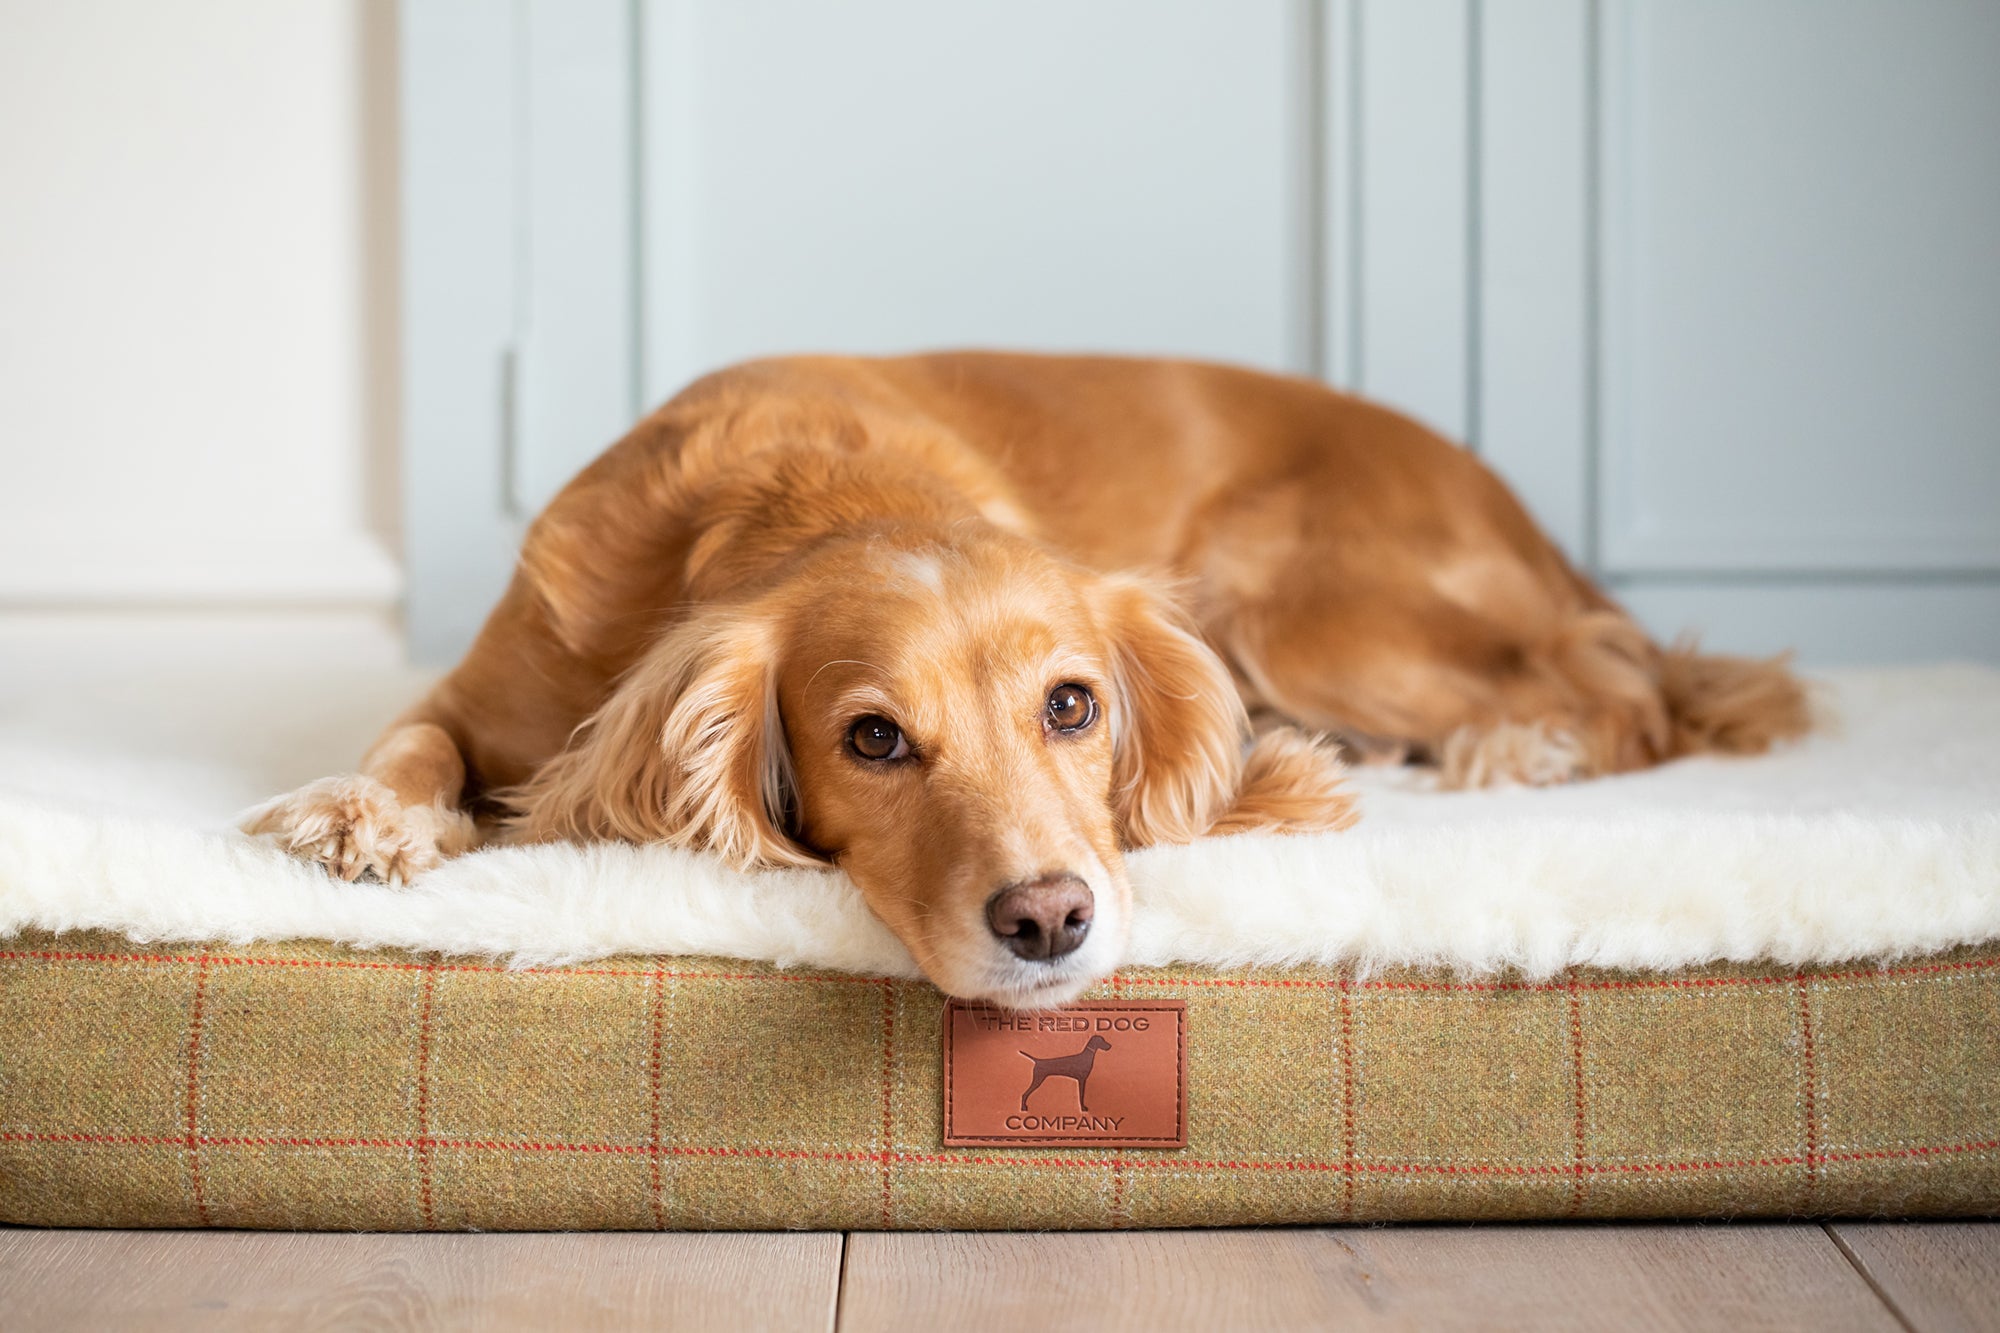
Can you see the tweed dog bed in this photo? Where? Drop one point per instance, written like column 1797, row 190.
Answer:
column 1756, row 988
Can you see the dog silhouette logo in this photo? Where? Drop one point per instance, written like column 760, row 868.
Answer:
column 1076, row 1067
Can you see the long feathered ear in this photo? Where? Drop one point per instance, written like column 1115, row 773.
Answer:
column 688, row 750
column 1177, row 724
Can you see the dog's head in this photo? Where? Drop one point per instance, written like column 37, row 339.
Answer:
column 973, row 729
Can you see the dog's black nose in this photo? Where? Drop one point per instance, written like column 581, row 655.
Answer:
column 1042, row 919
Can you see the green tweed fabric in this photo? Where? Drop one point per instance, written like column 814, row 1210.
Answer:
column 307, row 1085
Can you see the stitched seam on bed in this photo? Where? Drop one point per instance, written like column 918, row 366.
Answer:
column 193, row 1138
column 426, row 1005
column 1385, row 1167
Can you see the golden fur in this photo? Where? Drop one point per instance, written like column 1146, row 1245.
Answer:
column 700, row 617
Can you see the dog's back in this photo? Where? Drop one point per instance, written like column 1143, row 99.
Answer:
column 1363, row 575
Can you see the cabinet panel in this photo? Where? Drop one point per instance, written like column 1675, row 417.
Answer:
column 889, row 175
column 1802, row 285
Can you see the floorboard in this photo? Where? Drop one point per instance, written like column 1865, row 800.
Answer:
column 1744, row 1277
column 169, row 1280
column 1553, row 1278
column 1942, row 1277
column 1053, row 1281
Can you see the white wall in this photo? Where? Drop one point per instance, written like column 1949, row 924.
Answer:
column 197, row 302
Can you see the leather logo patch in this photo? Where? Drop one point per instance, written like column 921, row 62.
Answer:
column 1103, row 1074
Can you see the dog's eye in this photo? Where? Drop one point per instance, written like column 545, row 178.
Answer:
column 1071, row 708
column 878, row 738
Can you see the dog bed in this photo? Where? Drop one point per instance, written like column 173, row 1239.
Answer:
column 1766, row 987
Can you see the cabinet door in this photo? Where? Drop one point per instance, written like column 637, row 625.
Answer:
column 606, row 198
column 1801, row 323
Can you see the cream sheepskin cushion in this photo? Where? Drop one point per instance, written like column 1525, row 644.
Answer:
column 1878, row 837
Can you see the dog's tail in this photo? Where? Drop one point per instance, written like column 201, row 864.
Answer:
column 1730, row 705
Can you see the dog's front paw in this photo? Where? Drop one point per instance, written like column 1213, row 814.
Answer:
column 355, row 826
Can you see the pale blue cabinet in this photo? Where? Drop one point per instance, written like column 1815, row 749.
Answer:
column 1714, row 282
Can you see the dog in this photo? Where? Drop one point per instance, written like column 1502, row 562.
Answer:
column 1076, row 1066
column 971, row 626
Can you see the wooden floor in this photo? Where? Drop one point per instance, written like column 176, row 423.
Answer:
column 1918, row 1276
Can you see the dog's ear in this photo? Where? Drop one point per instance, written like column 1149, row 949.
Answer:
column 688, row 750
column 1177, row 724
